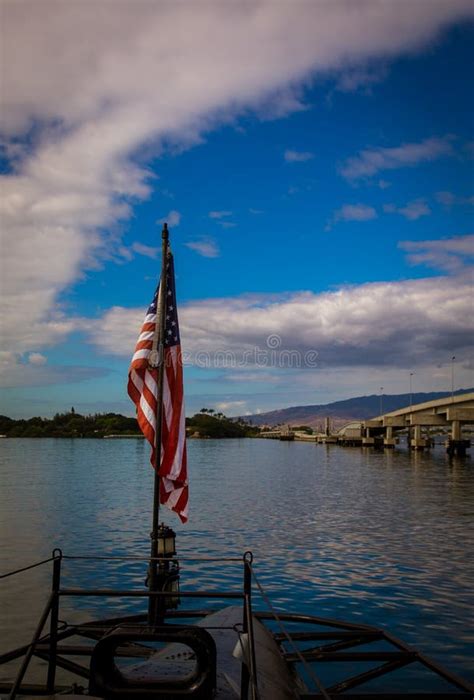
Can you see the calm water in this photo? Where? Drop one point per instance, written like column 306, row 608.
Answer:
column 386, row 538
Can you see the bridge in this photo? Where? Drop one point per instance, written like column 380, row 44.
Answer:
column 452, row 413
column 449, row 414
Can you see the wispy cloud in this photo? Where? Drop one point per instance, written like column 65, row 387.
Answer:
column 373, row 160
column 205, row 247
column 173, row 218
column 231, row 406
column 448, row 199
column 361, row 78
column 297, row 156
column 412, row 210
column 146, row 250
column 355, row 212
column 219, row 214
column 450, row 254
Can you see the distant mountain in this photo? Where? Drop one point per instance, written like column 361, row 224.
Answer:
column 357, row 408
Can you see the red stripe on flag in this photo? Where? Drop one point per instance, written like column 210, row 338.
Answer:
column 174, row 492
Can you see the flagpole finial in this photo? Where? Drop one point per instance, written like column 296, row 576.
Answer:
column 164, row 233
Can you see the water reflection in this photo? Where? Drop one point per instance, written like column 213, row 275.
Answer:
column 386, row 536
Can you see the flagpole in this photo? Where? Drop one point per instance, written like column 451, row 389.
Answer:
column 153, row 602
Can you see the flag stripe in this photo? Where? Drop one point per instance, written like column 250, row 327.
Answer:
column 143, row 390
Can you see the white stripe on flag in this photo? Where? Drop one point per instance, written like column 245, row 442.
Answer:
column 147, row 411
column 178, row 456
column 142, row 354
column 151, row 383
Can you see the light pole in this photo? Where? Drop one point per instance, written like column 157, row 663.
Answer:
column 381, row 400
column 411, row 388
column 452, row 377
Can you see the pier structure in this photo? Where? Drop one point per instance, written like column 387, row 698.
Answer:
column 279, row 433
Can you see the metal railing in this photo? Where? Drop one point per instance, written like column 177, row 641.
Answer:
column 46, row 646
column 338, row 643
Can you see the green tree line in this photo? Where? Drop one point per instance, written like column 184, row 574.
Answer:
column 206, row 424
column 70, row 424
column 209, row 424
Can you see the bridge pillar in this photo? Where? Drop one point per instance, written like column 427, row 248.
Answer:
column 418, row 442
column 368, row 441
column 456, row 430
column 389, row 441
column 456, row 445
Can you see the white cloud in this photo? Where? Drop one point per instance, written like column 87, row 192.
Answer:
column 450, row 254
column 173, row 218
column 18, row 370
column 355, row 212
column 386, row 324
column 298, row 156
column 121, row 59
column 51, row 215
column 36, row 358
column 104, row 88
column 373, row 160
column 233, row 406
column 205, row 247
column 219, row 214
column 413, row 210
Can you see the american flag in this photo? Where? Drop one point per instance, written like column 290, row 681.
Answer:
column 143, row 390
